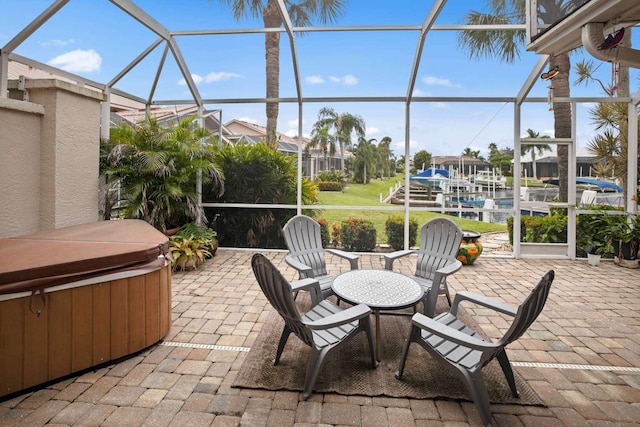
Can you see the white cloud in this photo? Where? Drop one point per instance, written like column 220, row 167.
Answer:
column 293, row 133
column 57, row 42
column 220, row 75
column 437, row 81
column 314, row 80
column 196, row 79
column 349, row 80
column 212, row 77
column 372, row 131
column 78, row 61
column 418, row 92
column 294, row 123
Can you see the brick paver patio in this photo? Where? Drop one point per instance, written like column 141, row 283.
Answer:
column 582, row 356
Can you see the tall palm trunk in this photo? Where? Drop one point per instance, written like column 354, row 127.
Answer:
column 562, row 119
column 272, row 19
column 533, row 164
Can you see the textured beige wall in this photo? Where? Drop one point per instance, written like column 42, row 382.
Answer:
column 19, row 167
column 60, row 167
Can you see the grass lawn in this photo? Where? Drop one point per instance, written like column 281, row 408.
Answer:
column 369, row 195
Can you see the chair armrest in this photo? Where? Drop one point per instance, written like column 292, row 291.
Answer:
column 390, row 257
column 309, row 284
column 302, row 268
column 483, row 301
column 343, row 317
column 450, row 334
column 350, row 256
column 450, row 268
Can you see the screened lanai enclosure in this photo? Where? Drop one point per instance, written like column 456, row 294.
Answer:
column 414, row 70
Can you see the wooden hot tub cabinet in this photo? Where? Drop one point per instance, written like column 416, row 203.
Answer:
column 76, row 318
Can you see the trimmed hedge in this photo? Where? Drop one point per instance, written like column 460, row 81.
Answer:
column 358, row 235
column 394, row 227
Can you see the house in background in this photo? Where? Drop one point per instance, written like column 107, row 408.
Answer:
column 547, row 163
column 465, row 165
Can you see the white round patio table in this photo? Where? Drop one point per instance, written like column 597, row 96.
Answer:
column 380, row 290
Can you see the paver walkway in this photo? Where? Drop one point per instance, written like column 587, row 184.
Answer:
column 582, row 356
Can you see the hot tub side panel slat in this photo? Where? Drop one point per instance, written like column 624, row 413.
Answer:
column 59, row 309
column 137, row 312
column 165, row 301
column 81, row 327
column 12, row 339
column 119, row 318
column 36, row 339
column 101, row 323
column 153, row 285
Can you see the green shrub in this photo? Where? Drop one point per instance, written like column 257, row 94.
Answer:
column 547, row 229
column 591, row 231
column 394, row 227
column 255, row 173
column 324, row 232
column 329, row 186
column 358, row 235
column 332, row 176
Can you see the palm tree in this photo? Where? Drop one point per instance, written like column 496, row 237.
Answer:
column 344, row 125
column 366, row 156
column 302, row 13
column 384, row 148
column 468, row 152
column 507, row 45
column 157, row 168
column 500, row 158
column 539, row 148
column 320, row 137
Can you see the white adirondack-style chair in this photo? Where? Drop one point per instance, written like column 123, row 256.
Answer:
column 461, row 350
column 323, row 328
column 306, row 254
column 439, row 243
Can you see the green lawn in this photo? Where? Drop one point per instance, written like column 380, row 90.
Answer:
column 369, row 195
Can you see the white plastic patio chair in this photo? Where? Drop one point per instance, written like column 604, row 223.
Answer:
column 306, row 254
column 461, row 350
column 439, row 243
column 324, row 327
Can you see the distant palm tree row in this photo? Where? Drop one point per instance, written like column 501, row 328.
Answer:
column 334, row 131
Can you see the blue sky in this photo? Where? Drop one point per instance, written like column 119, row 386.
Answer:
column 95, row 39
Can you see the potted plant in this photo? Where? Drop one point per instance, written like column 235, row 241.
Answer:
column 623, row 234
column 191, row 246
column 594, row 253
column 188, row 252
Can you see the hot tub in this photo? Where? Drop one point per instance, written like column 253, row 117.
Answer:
column 78, row 297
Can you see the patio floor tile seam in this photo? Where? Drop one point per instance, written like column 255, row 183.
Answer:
column 205, row 346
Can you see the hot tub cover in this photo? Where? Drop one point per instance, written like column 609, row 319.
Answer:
column 52, row 257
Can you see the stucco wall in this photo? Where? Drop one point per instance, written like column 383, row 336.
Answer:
column 56, row 171
column 19, row 167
